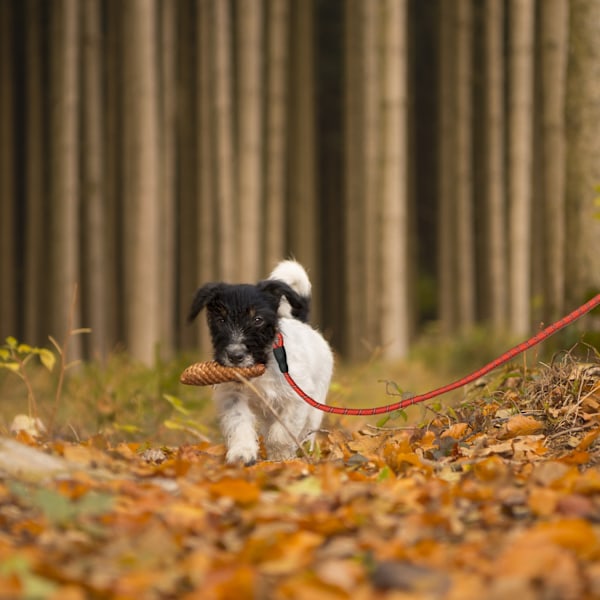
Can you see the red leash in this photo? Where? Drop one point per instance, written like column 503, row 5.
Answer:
column 279, row 352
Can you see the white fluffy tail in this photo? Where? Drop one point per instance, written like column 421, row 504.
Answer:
column 294, row 274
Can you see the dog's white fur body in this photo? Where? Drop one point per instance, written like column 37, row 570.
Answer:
column 244, row 416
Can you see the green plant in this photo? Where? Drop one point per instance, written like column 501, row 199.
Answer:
column 15, row 356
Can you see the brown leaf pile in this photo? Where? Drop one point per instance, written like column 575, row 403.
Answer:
column 477, row 504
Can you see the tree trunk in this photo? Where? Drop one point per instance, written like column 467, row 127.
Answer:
column 250, row 132
column 142, row 180
column 303, row 237
column 520, row 119
column 465, row 281
column 94, row 282
column 226, row 161
column 278, row 12
column 207, row 209
column 394, row 251
column 114, row 153
column 583, row 143
column 495, row 192
column 170, row 318
column 36, row 204
column 361, row 200
column 8, row 224
column 355, row 193
column 372, row 201
column 65, row 170
column 554, row 31
column 187, row 205
column 447, row 217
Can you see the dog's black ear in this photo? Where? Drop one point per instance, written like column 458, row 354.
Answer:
column 276, row 288
column 202, row 297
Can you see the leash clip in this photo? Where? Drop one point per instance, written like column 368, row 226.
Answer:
column 279, row 353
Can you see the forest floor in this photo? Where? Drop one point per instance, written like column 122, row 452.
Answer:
column 494, row 497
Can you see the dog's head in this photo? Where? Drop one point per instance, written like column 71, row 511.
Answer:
column 242, row 319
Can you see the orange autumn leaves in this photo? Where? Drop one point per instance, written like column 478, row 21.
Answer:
column 495, row 498
column 419, row 513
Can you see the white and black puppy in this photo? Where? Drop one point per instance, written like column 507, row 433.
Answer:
column 243, row 321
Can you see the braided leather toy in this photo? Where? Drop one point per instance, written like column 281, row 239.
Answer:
column 211, row 372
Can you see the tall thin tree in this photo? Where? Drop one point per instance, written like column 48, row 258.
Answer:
column 206, row 244
column 303, row 234
column 520, row 155
column 495, row 192
column 249, row 106
column 394, row 285
column 169, row 315
column 65, row 168
column 278, row 28
column 226, row 165
column 187, row 204
column 372, row 201
column 554, row 27
column 36, row 203
column 142, row 179
column 8, row 305
column 447, row 214
column 94, row 282
column 465, row 282
column 583, row 143
column 355, row 192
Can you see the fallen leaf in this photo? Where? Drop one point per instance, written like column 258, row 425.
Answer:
column 456, row 431
column 589, row 439
column 239, row 490
column 519, row 425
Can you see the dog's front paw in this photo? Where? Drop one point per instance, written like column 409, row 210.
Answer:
column 242, row 456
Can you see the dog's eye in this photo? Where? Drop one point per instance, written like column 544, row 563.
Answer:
column 258, row 320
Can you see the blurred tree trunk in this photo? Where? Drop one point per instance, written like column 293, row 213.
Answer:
column 206, row 243
column 142, row 179
column 8, row 224
column 395, row 327
column 554, row 32
column 65, row 169
column 170, row 317
column 302, row 222
column 520, row 150
column 371, row 202
column 278, row 27
column 447, row 217
column 94, row 281
column 355, row 193
column 249, row 108
column 465, row 281
column 495, row 192
column 113, row 164
column 226, row 167
column 36, row 205
column 361, row 200
column 583, row 143
column 187, row 205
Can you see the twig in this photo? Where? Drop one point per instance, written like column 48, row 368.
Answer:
column 398, row 428
column 298, row 443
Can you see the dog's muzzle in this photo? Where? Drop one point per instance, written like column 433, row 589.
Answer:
column 237, row 355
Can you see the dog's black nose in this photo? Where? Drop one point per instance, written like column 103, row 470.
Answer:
column 236, row 356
